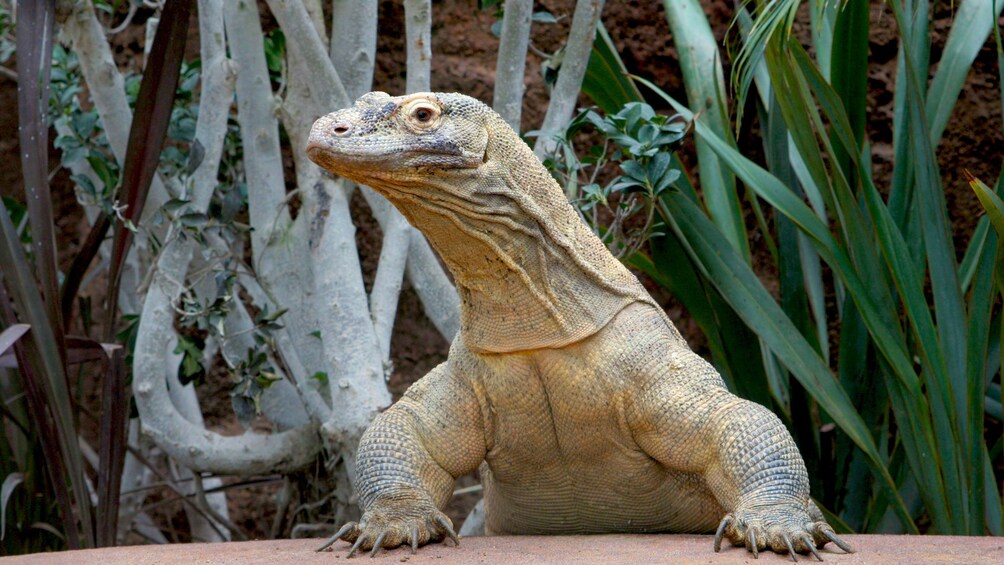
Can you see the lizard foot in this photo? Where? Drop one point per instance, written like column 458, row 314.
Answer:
column 781, row 529
column 389, row 526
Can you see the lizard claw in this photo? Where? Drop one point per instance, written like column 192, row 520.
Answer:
column 830, row 535
column 349, row 527
column 780, row 528
column 812, row 547
column 726, row 521
column 447, row 526
column 378, row 544
column 388, row 524
column 791, row 550
column 414, row 539
column 355, row 546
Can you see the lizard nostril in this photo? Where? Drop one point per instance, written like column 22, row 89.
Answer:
column 341, row 128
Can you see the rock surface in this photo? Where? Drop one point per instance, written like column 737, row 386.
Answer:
column 516, row 550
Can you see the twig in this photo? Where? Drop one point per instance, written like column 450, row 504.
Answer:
column 208, row 508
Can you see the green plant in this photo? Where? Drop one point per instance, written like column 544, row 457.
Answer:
column 917, row 349
column 640, row 143
column 45, row 484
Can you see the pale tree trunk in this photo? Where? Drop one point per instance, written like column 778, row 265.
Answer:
column 305, row 263
column 570, row 75
column 186, row 443
column 353, row 44
column 396, row 230
column 511, row 63
column 418, row 39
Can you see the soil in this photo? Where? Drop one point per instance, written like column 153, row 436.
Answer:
column 464, row 53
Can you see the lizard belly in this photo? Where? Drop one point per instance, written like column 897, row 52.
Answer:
column 563, row 460
column 598, row 498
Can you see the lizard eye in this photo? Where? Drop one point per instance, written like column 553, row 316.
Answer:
column 424, row 114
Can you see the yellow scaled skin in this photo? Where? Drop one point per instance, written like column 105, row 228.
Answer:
column 567, row 386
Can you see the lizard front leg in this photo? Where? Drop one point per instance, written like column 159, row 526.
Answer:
column 408, row 461
column 748, row 459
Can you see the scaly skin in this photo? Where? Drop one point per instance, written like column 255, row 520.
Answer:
column 567, row 385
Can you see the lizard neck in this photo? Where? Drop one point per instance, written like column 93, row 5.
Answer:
column 529, row 272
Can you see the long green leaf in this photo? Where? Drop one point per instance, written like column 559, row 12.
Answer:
column 945, row 286
column 607, row 82
column 971, row 26
column 911, row 290
column 981, row 307
column 740, row 287
column 915, row 46
column 774, row 19
column 774, row 192
column 823, row 15
column 849, row 68
column 701, row 66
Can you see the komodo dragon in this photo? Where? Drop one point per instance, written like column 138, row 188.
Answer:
column 568, row 385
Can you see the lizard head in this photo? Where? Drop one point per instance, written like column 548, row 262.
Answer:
column 394, row 138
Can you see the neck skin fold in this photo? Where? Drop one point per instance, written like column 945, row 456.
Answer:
column 529, row 272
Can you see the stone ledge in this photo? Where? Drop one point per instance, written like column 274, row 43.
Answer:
column 515, row 550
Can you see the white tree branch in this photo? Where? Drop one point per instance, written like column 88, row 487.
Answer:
column 104, row 81
column 187, row 403
column 302, row 39
column 511, row 64
column 418, row 37
column 259, row 127
column 573, row 70
column 279, row 248
column 189, row 444
column 387, row 284
column 353, row 44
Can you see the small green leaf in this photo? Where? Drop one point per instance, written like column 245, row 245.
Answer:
column 991, row 202
column 544, row 17
column 275, row 50
column 10, row 482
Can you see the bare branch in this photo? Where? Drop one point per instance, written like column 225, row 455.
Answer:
column 387, row 284
column 573, row 70
column 259, row 127
column 301, row 37
column 353, row 43
column 511, row 63
column 104, row 81
column 190, row 444
column 418, row 36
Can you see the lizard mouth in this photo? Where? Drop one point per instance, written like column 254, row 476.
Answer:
column 355, row 157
